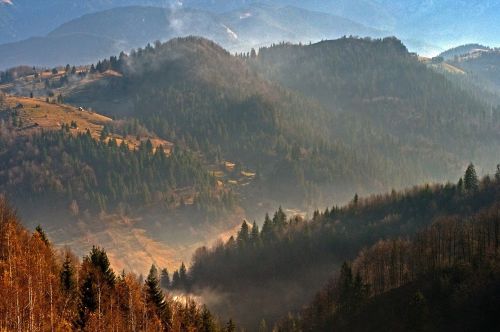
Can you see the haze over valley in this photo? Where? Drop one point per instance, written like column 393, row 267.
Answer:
column 249, row 166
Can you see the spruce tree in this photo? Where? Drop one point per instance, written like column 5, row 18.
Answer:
column 67, row 275
column 471, row 181
column 183, row 278
column 41, row 233
column 99, row 259
column 279, row 219
column 267, row 229
column 155, row 299
column 207, row 321
column 254, row 235
column 176, row 280
column 165, row 279
column 88, row 300
column 243, row 235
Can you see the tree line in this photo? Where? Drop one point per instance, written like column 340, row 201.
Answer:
column 441, row 278
column 43, row 289
column 101, row 175
column 299, row 253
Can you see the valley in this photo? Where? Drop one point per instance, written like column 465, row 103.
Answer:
column 244, row 140
column 230, row 166
column 127, row 235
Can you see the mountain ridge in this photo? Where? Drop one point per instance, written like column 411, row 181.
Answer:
column 135, row 26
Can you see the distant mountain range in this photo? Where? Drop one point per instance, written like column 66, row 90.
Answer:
column 94, row 36
column 436, row 24
column 427, row 27
column 482, row 67
column 22, row 19
column 463, row 50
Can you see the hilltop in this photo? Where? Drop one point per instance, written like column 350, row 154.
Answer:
column 35, row 114
column 254, row 133
column 292, row 121
column 462, row 50
column 100, row 34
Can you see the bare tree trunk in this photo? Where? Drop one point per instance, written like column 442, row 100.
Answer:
column 51, row 310
column 30, row 301
column 131, row 311
column 18, row 313
column 99, row 308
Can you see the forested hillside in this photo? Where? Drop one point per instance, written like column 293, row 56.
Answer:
column 298, row 125
column 249, row 165
column 192, row 91
column 317, row 122
column 388, row 101
column 286, row 256
column 483, row 65
column 96, row 174
column 47, row 290
column 89, row 178
column 446, row 279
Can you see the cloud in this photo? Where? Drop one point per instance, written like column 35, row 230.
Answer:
column 175, row 22
column 6, row 2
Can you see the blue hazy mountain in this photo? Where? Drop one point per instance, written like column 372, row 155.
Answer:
column 22, row 19
column 97, row 35
column 425, row 26
column 431, row 25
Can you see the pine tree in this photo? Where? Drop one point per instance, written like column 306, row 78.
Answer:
column 279, row 219
column 183, row 278
column 460, row 185
column 155, row 299
column 471, row 181
column 165, row 279
column 267, row 229
column 176, row 280
column 355, row 200
column 207, row 321
column 41, row 233
column 254, row 235
column 67, row 275
column 243, row 235
column 88, row 300
column 99, row 259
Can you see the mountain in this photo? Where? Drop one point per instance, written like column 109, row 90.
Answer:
column 98, row 35
column 427, row 27
column 412, row 285
column 22, row 19
column 271, row 128
column 258, row 25
column 296, row 122
column 231, row 114
column 462, row 50
column 482, row 63
column 480, row 67
column 369, row 12
column 54, row 51
column 287, row 257
column 111, row 31
column 378, row 87
column 86, row 176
